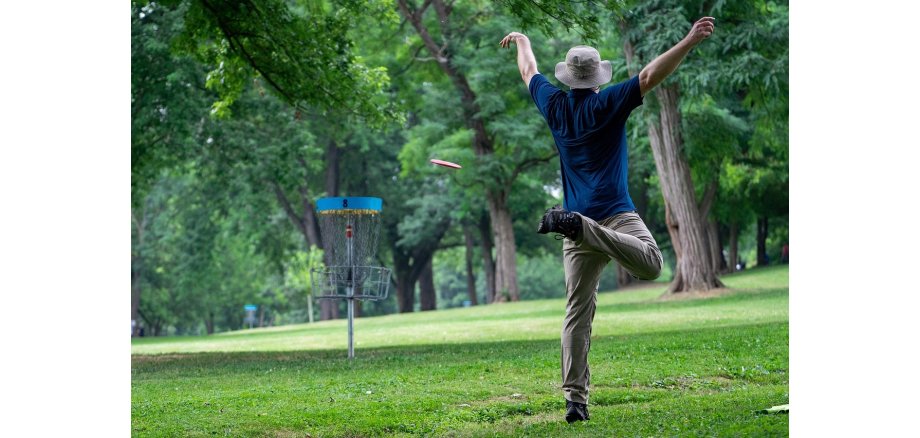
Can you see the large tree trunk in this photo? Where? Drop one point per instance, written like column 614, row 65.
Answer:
column 695, row 270
column 405, row 287
column 307, row 225
column 136, row 272
column 488, row 264
column 333, row 158
column 733, row 247
column 427, row 296
column 505, row 250
column 470, row 276
column 715, row 246
column 329, row 309
column 135, row 295
column 673, row 229
column 405, row 291
column 623, row 277
column 762, row 241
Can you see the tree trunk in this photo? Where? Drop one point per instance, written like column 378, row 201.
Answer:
column 136, row 272
column 333, row 158
column 762, row 242
column 733, row 247
column 329, row 309
column 505, row 250
column 715, row 246
column 695, row 270
column 427, row 296
column 405, row 288
column 209, row 324
column 488, row 264
column 135, row 295
column 673, row 229
column 262, row 316
column 405, row 291
column 623, row 277
column 470, row 276
column 674, row 235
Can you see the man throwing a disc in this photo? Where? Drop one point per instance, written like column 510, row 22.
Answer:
column 599, row 220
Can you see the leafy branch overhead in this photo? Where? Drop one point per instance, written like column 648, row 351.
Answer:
column 303, row 53
column 582, row 17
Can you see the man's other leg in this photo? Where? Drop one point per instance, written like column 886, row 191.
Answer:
column 626, row 239
column 582, row 272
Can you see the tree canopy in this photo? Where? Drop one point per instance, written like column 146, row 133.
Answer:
column 245, row 113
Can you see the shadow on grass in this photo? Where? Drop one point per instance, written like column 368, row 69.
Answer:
column 734, row 296
column 730, row 337
column 504, row 388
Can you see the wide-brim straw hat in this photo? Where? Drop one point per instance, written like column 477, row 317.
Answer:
column 583, row 68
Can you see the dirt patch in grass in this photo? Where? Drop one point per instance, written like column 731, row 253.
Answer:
column 156, row 358
column 288, row 434
column 687, row 383
column 539, row 418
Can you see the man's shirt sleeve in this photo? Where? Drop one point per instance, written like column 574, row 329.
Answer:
column 623, row 97
column 541, row 91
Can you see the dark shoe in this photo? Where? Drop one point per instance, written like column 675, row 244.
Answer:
column 557, row 220
column 575, row 411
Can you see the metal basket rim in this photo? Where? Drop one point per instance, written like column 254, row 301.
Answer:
column 382, row 281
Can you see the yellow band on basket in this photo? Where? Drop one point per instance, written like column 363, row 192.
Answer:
column 348, row 211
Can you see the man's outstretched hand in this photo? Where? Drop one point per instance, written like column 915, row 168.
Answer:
column 700, row 30
column 527, row 63
column 513, row 37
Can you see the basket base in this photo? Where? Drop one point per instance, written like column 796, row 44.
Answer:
column 350, row 283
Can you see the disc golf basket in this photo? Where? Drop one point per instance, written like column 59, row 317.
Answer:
column 350, row 227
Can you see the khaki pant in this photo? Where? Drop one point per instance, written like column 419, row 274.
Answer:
column 622, row 237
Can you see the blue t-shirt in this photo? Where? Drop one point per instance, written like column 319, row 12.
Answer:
column 590, row 133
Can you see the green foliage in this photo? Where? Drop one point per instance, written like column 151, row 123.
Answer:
column 168, row 99
column 541, row 277
column 734, row 91
column 587, row 18
column 302, row 52
column 302, row 263
column 234, row 103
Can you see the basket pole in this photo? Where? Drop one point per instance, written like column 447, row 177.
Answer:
column 351, row 292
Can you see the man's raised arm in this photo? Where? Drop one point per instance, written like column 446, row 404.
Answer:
column 665, row 64
column 527, row 63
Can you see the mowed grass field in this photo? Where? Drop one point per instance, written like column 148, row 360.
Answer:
column 677, row 367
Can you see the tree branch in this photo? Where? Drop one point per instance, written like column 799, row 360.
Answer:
column 527, row 164
column 708, row 198
column 425, row 36
column 286, row 205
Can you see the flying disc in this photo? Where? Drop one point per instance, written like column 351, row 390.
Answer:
column 446, row 164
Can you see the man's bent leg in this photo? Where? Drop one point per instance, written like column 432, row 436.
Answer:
column 626, row 239
column 582, row 271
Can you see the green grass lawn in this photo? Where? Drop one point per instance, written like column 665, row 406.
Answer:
column 658, row 368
